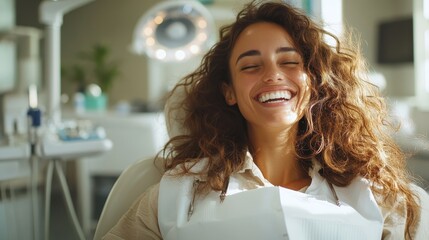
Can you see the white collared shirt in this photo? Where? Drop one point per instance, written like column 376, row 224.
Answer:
column 255, row 209
column 145, row 217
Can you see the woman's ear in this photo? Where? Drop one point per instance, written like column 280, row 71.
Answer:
column 229, row 94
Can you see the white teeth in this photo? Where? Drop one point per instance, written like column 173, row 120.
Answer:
column 276, row 96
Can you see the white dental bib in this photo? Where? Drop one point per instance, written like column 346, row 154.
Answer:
column 269, row 212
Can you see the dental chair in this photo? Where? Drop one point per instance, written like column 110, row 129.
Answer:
column 134, row 180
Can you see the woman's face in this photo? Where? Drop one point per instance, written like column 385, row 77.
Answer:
column 269, row 84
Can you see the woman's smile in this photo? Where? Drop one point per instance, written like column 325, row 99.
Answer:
column 275, row 95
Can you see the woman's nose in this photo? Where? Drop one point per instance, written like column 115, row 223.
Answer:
column 273, row 74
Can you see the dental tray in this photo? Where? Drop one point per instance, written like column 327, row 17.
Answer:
column 73, row 149
column 74, row 139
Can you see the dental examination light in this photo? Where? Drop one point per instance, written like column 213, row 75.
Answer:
column 51, row 14
column 172, row 34
column 174, row 31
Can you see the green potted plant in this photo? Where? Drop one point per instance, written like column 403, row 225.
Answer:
column 104, row 72
column 97, row 68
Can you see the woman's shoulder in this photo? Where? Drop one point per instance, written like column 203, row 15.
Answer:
column 146, row 206
column 394, row 213
column 422, row 231
column 143, row 210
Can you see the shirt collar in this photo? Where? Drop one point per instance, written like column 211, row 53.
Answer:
column 249, row 165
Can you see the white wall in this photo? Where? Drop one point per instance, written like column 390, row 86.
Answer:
column 7, row 48
column 363, row 16
column 112, row 22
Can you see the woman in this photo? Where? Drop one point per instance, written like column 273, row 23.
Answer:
column 284, row 137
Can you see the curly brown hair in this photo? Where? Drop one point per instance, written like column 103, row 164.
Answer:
column 345, row 127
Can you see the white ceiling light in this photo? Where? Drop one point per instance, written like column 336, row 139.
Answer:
column 174, row 31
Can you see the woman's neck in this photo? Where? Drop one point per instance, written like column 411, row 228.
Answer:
column 274, row 153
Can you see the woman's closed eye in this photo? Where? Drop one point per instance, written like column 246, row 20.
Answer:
column 249, row 67
column 289, row 63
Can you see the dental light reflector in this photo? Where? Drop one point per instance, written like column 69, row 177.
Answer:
column 174, row 31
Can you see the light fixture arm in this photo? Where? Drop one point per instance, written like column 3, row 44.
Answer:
column 51, row 14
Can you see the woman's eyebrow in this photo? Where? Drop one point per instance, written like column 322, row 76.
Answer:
column 286, row 49
column 256, row 52
column 248, row 53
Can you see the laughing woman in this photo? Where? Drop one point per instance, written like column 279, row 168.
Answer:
column 283, row 138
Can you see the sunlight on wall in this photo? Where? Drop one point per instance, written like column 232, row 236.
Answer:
column 421, row 52
column 332, row 15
